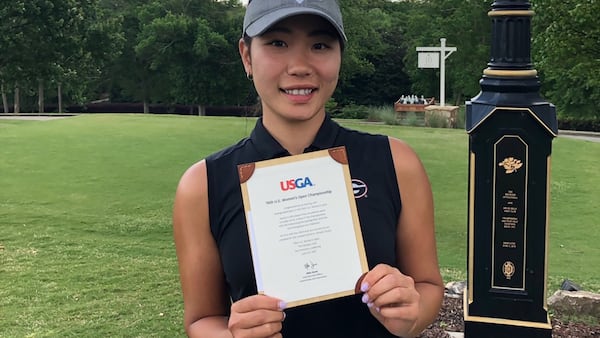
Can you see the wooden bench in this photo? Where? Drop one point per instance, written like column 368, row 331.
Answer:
column 424, row 114
column 414, row 107
column 403, row 111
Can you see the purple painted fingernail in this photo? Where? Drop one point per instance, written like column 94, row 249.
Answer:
column 364, row 287
column 282, row 305
column 365, row 298
column 378, row 309
column 370, row 305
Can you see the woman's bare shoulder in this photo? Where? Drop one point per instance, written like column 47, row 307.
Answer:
column 406, row 160
column 192, row 183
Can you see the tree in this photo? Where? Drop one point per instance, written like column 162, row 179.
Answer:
column 101, row 43
column 182, row 51
column 465, row 25
column 48, row 43
column 14, row 29
column 566, row 49
column 372, row 69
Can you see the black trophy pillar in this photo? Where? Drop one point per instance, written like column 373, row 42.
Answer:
column 511, row 128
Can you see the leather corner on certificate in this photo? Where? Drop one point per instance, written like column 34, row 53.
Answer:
column 303, row 226
column 245, row 171
column 339, row 154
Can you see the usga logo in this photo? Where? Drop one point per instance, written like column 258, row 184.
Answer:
column 295, row 183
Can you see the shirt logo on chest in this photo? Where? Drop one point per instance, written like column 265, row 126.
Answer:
column 359, row 188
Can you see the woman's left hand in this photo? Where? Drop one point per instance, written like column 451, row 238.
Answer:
column 392, row 298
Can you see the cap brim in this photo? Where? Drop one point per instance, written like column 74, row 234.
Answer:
column 261, row 25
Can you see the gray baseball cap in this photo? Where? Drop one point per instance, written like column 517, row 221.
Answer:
column 262, row 14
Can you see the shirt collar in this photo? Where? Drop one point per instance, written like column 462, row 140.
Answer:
column 326, row 135
column 266, row 144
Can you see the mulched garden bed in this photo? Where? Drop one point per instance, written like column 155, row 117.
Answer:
column 451, row 319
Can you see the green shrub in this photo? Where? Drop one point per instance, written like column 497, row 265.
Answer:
column 579, row 123
column 385, row 114
column 460, row 118
column 352, row 111
column 332, row 106
column 436, row 120
column 412, row 119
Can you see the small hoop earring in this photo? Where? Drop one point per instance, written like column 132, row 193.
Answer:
column 249, row 76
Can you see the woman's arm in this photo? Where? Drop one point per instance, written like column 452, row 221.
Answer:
column 407, row 298
column 416, row 245
column 206, row 303
column 202, row 283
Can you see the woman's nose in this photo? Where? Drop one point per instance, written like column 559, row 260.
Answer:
column 299, row 64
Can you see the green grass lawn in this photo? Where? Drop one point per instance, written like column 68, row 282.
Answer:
column 86, row 247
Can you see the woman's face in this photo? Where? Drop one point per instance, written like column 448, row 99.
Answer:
column 295, row 66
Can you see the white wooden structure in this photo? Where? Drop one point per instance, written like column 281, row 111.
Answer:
column 435, row 57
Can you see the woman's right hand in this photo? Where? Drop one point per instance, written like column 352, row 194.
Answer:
column 257, row 316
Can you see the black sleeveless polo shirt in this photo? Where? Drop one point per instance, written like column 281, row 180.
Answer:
column 378, row 203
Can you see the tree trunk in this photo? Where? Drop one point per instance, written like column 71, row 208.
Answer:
column 40, row 97
column 146, row 107
column 17, row 102
column 201, row 110
column 60, row 108
column 4, row 100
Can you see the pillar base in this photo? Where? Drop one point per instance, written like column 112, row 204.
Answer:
column 490, row 330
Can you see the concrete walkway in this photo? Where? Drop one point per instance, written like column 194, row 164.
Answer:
column 580, row 135
column 32, row 117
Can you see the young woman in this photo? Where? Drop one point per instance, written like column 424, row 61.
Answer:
column 292, row 50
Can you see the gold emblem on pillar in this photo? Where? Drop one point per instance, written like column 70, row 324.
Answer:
column 508, row 268
column 511, row 164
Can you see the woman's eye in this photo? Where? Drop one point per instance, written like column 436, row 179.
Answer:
column 277, row 43
column 320, row 46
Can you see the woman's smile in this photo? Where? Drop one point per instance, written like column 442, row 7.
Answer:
column 300, row 95
column 298, row 92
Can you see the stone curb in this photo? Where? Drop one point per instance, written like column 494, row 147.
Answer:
column 578, row 133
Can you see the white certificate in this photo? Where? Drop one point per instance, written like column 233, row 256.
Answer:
column 303, row 227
